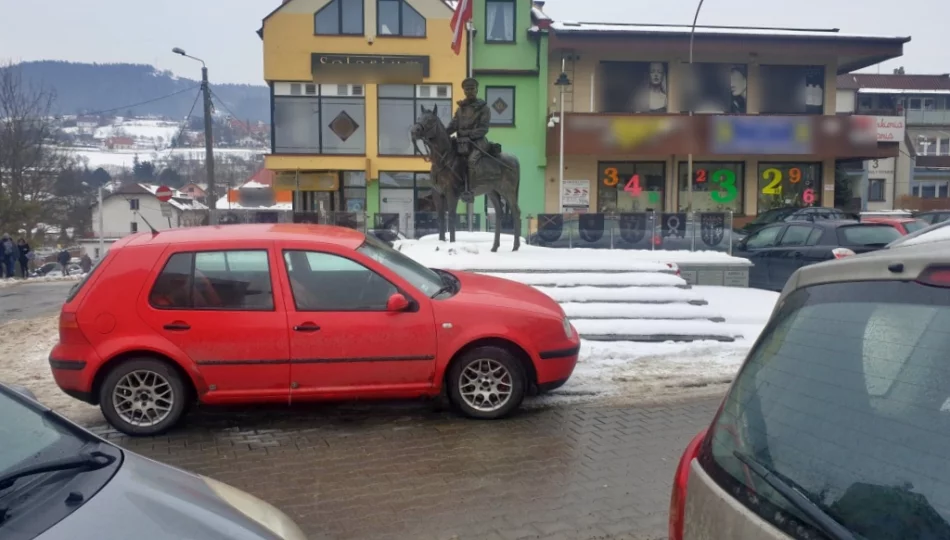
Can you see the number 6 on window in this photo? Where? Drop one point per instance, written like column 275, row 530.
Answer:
column 808, row 197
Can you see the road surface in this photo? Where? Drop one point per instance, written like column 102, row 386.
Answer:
column 402, row 471
column 31, row 300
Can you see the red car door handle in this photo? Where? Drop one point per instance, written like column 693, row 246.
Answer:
column 306, row 327
column 177, row 325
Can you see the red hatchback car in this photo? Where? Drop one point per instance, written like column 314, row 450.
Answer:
column 287, row 313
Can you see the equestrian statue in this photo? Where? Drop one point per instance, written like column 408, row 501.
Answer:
column 468, row 165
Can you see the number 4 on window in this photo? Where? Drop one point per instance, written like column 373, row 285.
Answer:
column 633, row 186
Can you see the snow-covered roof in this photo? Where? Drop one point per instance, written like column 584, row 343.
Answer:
column 224, row 204
column 901, row 91
column 671, row 29
column 179, row 200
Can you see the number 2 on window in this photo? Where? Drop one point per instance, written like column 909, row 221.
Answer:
column 774, row 176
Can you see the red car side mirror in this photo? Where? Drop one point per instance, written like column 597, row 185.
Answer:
column 397, row 302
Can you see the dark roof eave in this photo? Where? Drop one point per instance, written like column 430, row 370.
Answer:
column 831, row 36
column 866, row 62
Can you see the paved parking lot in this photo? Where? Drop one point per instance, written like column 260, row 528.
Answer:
column 408, row 472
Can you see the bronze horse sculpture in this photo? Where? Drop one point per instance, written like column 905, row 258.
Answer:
column 497, row 176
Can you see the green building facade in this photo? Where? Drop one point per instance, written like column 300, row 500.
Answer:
column 510, row 61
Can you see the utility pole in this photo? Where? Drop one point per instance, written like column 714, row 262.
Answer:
column 102, row 232
column 209, row 147
column 209, row 136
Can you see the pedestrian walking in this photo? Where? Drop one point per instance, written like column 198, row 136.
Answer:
column 8, row 252
column 85, row 263
column 63, row 259
column 25, row 254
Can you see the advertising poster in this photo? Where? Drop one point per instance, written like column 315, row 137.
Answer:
column 575, row 194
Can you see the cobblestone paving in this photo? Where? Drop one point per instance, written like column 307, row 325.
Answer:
column 406, row 472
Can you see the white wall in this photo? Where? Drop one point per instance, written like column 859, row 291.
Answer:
column 844, row 102
column 118, row 217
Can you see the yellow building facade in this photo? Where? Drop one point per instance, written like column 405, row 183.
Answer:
column 347, row 79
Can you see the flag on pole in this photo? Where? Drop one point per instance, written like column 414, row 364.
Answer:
column 463, row 14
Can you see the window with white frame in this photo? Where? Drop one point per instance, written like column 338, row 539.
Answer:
column 400, row 105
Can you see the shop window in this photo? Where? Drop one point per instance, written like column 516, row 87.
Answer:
column 788, row 184
column 792, row 89
column 639, row 87
column 398, row 18
column 630, row 187
column 339, row 18
column 717, row 186
column 331, row 123
column 500, row 21
column 400, row 105
column 354, row 191
column 501, row 100
column 410, row 197
column 715, row 88
column 876, row 190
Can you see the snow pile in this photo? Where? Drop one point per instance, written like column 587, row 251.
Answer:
column 476, row 255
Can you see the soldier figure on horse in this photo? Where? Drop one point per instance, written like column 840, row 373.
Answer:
column 470, row 125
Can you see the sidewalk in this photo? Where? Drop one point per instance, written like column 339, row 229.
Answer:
column 406, row 472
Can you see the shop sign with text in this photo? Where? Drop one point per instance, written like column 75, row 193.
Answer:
column 890, row 128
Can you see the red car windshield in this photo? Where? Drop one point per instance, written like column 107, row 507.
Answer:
column 419, row 276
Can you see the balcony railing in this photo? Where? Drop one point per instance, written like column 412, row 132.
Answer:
column 930, row 118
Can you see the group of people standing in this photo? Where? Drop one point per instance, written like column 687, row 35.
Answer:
column 11, row 254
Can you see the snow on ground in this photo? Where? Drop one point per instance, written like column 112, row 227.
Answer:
column 472, row 251
column 623, row 372
column 16, row 281
column 24, row 360
column 141, row 129
column 125, row 158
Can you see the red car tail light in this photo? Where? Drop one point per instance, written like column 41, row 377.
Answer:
column 678, row 496
column 841, row 252
column 935, row 276
column 69, row 332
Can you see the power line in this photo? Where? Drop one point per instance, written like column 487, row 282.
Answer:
column 181, row 130
column 96, row 113
column 225, row 105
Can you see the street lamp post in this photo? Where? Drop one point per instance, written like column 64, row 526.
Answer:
column 209, row 137
column 562, row 82
column 689, row 166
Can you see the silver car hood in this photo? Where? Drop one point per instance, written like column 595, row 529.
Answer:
column 147, row 500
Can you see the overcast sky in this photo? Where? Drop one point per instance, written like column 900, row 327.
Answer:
column 222, row 32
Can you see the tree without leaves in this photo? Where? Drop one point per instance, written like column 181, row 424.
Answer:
column 29, row 158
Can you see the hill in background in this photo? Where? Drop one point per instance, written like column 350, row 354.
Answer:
column 83, row 88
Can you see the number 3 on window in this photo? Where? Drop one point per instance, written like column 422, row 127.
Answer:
column 774, row 177
column 727, row 182
column 611, row 178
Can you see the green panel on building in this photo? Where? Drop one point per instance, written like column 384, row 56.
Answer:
column 509, row 59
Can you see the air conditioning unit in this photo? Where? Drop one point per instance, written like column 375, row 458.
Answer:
column 310, row 89
column 295, row 89
column 434, row 91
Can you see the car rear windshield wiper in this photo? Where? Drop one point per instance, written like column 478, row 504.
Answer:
column 89, row 461
column 819, row 517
